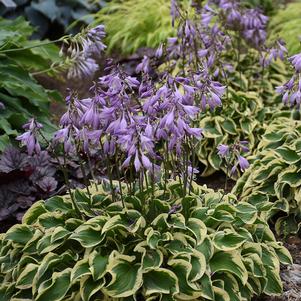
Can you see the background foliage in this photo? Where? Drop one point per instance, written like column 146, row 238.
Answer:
column 132, row 24
column 286, row 24
column 23, row 97
column 45, row 15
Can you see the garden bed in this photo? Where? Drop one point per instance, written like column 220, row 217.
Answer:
column 154, row 154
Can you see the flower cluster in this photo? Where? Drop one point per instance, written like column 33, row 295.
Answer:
column 232, row 154
column 133, row 126
column 277, row 51
column 291, row 90
column 196, row 52
column 29, row 138
column 254, row 27
column 249, row 23
column 82, row 50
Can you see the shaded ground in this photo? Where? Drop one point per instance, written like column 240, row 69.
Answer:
column 216, row 182
column 5, row 225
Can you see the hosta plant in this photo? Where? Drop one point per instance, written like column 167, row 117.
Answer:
column 151, row 245
column 240, row 118
column 244, row 115
column 274, row 176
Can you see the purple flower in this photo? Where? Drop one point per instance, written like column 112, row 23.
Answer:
column 232, row 11
column 223, row 150
column 207, row 15
column 254, row 27
column 173, row 11
column 83, row 67
column 91, row 117
column 92, row 44
column 81, row 50
column 29, row 138
column 144, row 65
column 30, row 141
column 132, row 81
column 211, row 92
column 159, row 51
column 278, row 51
column 243, row 163
column 243, row 146
column 32, row 125
column 233, row 170
column 296, row 61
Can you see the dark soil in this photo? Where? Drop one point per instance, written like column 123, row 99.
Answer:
column 6, row 224
column 216, row 181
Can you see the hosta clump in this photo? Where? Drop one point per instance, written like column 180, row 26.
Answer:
column 241, row 118
column 160, row 246
column 273, row 180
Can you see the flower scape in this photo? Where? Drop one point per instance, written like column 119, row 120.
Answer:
column 108, row 201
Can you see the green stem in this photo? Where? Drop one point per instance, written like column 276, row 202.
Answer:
column 69, row 189
column 52, row 68
column 119, row 182
column 64, row 171
column 109, row 172
column 32, row 46
column 92, row 172
column 86, row 180
column 193, row 163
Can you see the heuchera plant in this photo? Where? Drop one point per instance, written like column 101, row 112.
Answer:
column 24, row 180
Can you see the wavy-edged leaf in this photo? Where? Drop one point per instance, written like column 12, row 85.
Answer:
column 88, row 236
column 229, row 262
column 126, row 279
column 81, row 269
column 161, row 281
column 25, row 279
column 98, row 265
column 228, row 240
column 59, row 286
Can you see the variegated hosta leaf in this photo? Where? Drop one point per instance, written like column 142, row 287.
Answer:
column 24, row 281
column 126, row 278
column 160, row 281
column 208, row 249
column 228, row 240
column 229, row 262
column 57, row 288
